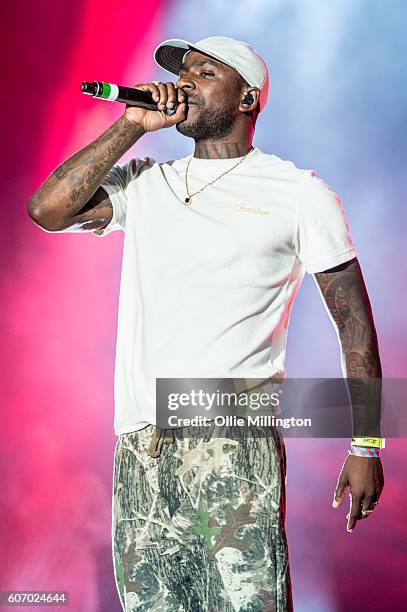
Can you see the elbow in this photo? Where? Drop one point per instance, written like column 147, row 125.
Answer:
column 34, row 210
column 40, row 214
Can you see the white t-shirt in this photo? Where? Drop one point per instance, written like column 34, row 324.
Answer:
column 206, row 290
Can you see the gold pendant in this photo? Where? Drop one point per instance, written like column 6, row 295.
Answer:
column 187, row 201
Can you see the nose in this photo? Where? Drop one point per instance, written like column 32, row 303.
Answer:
column 186, row 84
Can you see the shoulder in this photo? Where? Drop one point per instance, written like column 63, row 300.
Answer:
column 315, row 187
column 317, row 198
column 310, row 185
column 285, row 168
column 309, row 189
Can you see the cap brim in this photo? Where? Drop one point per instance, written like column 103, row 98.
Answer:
column 170, row 54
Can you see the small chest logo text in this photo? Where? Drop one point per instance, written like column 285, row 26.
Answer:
column 242, row 208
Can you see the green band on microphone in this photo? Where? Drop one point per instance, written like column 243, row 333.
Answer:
column 109, row 92
column 106, row 90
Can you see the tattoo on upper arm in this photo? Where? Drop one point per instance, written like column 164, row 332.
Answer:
column 346, row 297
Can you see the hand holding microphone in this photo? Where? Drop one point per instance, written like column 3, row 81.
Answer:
column 147, row 105
column 165, row 96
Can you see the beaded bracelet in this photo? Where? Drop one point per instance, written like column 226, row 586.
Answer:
column 364, row 451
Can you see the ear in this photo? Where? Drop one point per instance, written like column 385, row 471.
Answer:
column 249, row 99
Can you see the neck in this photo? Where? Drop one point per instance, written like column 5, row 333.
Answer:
column 221, row 150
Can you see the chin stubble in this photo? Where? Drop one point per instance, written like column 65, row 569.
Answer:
column 210, row 123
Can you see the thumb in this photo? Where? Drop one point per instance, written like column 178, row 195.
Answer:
column 339, row 492
column 178, row 116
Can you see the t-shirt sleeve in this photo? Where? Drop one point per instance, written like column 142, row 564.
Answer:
column 116, row 184
column 323, row 239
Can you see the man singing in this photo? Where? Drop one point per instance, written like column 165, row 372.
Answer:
column 216, row 245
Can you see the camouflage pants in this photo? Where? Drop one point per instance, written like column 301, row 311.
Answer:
column 199, row 520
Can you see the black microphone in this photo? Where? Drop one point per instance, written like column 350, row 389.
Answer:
column 128, row 95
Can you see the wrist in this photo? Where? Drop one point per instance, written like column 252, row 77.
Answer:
column 136, row 128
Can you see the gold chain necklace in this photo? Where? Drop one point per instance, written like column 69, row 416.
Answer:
column 189, row 197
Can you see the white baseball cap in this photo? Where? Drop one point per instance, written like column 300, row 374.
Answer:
column 235, row 53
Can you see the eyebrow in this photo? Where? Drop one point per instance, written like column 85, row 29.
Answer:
column 199, row 63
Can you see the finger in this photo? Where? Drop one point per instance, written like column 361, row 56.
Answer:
column 339, row 492
column 162, row 103
column 355, row 513
column 368, row 505
column 151, row 87
column 178, row 116
column 181, row 95
column 171, row 95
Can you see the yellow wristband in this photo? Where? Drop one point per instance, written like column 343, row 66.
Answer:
column 375, row 442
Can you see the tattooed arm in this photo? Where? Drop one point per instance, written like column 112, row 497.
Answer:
column 345, row 295
column 71, row 194
column 344, row 292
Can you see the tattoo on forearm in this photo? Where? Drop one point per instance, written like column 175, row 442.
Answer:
column 346, row 297
column 79, row 177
